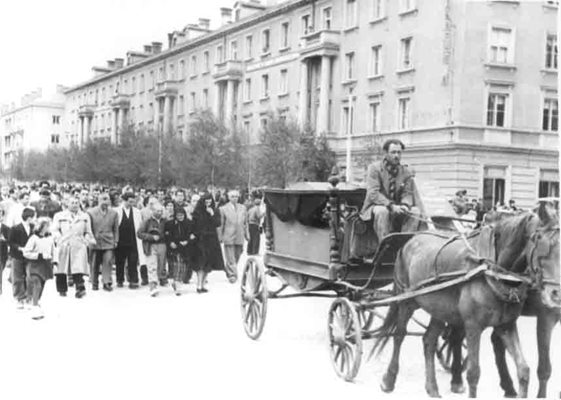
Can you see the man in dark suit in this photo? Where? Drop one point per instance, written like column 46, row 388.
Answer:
column 17, row 240
column 45, row 206
column 390, row 193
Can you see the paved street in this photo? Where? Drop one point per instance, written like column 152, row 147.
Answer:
column 127, row 345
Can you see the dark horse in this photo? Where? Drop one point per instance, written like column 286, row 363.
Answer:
column 472, row 305
column 538, row 238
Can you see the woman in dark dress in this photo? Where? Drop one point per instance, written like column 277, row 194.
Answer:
column 177, row 234
column 206, row 219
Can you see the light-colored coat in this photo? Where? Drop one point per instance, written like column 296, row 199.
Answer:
column 72, row 234
column 233, row 228
column 137, row 218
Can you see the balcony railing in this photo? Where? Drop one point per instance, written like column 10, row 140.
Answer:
column 120, row 100
column 168, row 87
column 86, row 110
column 231, row 69
column 324, row 42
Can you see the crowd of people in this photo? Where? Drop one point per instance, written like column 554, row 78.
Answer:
column 136, row 236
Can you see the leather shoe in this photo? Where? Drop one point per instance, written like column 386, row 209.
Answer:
column 120, row 284
column 107, row 287
column 133, row 285
column 95, row 286
column 80, row 293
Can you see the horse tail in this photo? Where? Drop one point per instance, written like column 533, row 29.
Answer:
column 386, row 331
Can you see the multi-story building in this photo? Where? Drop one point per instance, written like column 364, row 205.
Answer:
column 35, row 124
column 470, row 87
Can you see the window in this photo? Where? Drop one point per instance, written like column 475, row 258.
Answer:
column 283, row 84
column 549, row 183
column 171, row 72
column 496, row 109
column 133, row 85
column 405, row 60
column 206, row 62
column 205, row 98
column 234, row 50
column 403, row 113
column 375, row 117
column 326, row 18
column 351, row 13
column 152, row 82
column 406, row 5
column 248, row 46
column 193, row 101
column 501, row 49
column 550, row 115
column 306, row 24
column 102, row 96
column 493, row 187
column 247, row 126
column 265, row 86
column 220, row 54
column 140, row 86
column 247, row 89
column 349, row 66
column 348, row 124
column 551, row 51
column 378, row 9
column 193, row 65
column 55, row 139
column 181, row 106
column 376, row 61
column 264, row 122
column 56, row 119
column 266, row 41
column 161, row 74
column 182, row 71
column 284, row 35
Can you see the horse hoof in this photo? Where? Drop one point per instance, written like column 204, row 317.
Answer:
column 457, row 388
column 386, row 388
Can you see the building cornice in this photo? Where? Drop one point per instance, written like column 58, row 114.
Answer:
column 242, row 24
column 40, row 104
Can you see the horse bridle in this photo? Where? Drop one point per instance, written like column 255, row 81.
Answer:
column 535, row 269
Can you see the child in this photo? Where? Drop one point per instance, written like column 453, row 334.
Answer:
column 39, row 253
column 255, row 217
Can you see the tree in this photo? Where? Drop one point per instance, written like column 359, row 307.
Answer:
column 214, row 152
column 287, row 154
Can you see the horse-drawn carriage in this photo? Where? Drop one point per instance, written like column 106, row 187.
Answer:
column 317, row 245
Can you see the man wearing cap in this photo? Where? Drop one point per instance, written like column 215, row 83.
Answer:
column 459, row 202
column 390, row 193
column 45, row 207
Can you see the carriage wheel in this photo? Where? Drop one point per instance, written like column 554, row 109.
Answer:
column 345, row 338
column 253, row 297
column 444, row 351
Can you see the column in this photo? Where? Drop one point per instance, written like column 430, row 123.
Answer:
column 81, row 131
column 322, row 124
column 229, row 109
column 122, row 124
column 303, row 101
column 156, row 116
column 114, row 126
column 216, row 107
column 87, row 128
column 167, row 107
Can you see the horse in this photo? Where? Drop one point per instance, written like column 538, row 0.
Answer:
column 473, row 305
column 541, row 245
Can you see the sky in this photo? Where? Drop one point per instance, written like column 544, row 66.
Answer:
column 45, row 43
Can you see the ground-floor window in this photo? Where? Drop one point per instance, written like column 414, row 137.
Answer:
column 493, row 186
column 549, row 183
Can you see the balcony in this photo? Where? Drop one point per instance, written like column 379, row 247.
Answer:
column 320, row 43
column 169, row 87
column 226, row 70
column 120, row 100
column 86, row 110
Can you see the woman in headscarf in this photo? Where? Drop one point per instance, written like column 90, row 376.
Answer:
column 39, row 252
column 178, row 233
column 206, row 219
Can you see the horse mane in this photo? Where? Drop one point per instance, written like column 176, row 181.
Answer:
column 511, row 235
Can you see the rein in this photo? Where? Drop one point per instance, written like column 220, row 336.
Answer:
column 536, row 270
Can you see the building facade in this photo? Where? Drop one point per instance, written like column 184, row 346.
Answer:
column 35, row 124
column 470, row 87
